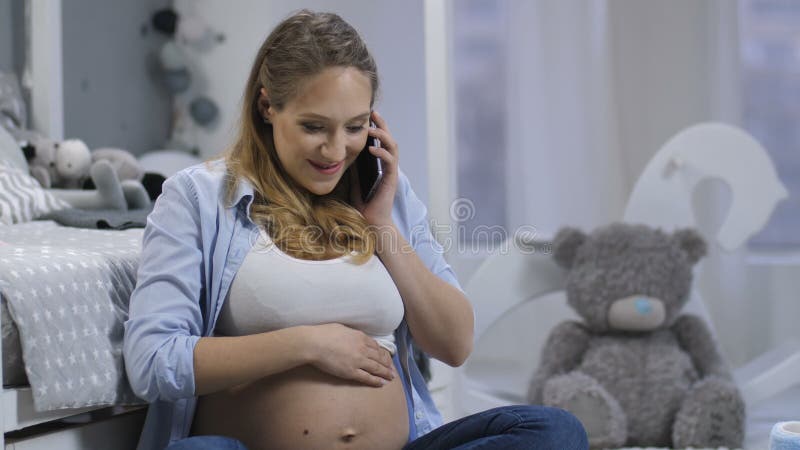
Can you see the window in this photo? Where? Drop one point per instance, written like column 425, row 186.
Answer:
column 479, row 70
column 770, row 62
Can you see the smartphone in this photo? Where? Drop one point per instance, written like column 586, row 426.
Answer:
column 370, row 168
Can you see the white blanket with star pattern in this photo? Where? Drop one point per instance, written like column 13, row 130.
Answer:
column 67, row 290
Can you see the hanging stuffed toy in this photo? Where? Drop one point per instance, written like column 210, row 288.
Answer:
column 188, row 35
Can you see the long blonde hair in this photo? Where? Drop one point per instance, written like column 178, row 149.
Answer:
column 300, row 223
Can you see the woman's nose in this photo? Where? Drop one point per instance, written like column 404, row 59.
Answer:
column 336, row 148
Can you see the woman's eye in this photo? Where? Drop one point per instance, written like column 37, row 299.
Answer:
column 311, row 128
column 355, row 129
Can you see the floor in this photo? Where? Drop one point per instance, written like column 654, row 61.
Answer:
column 760, row 419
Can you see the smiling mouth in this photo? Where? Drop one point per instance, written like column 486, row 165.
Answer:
column 324, row 166
column 327, row 169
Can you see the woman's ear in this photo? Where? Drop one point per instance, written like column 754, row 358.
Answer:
column 263, row 105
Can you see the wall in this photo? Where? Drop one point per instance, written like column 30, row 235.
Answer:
column 6, row 37
column 12, row 42
column 12, row 38
column 110, row 97
column 393, row 31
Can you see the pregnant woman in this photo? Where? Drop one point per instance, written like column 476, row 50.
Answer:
column 274, row 309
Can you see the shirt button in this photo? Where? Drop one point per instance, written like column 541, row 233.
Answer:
column 419, row 415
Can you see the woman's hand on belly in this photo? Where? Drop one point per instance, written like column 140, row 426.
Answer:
column 350, row 354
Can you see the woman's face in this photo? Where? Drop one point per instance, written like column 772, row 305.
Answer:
column 325, row 124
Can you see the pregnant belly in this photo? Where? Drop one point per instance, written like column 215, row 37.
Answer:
column 305, row 408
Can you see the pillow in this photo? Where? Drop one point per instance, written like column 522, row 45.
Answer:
column 10, row 153
column 22, row 198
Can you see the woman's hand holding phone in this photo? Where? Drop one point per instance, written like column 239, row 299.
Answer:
column 378, row 210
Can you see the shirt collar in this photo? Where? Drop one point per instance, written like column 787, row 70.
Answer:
column 243, row 197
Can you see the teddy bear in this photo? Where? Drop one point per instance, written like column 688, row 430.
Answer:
column 62, row 167
column 125, row 165
column 636, row 371
column 56, row 164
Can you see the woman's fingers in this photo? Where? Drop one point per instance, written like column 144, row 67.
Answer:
column 383, row 154
column 386, row 358
column 379, row 369
column 378, row 361
column 351, row 354
column 365, row 377
column 379, row 120
column 387, row 141
column 378, row 353
column 382, row 132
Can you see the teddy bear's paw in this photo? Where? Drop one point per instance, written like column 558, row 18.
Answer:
column 135, row 194
column 108, row 187
column 597, row 410
column 712, row 415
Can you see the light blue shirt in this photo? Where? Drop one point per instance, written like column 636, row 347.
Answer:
column 192, row 246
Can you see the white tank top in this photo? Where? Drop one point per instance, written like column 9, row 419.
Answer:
column 273, row 290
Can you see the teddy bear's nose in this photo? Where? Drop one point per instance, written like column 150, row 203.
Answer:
column 643, row 306
column 636, row 313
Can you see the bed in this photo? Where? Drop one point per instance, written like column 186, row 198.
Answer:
column 63, row 301
column 64, row 295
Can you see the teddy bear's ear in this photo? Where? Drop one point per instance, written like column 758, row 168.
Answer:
column 692, row 243
column 29, row 150
column 566, row 244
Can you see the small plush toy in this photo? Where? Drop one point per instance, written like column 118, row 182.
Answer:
column 58, row 164
column 635, row 371
column 62, row 167
column 124, row 163
column 129, row 170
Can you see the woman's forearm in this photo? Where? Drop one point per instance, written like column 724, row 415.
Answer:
column 439, row 316
column 224, row 362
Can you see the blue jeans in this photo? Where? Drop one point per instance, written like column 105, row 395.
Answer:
column 207, row 443
column 519, row 427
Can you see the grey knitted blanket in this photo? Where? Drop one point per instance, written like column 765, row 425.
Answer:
column 103, row 219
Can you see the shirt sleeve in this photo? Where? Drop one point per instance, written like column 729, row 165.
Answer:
column 165, row 320
column 420, row 236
